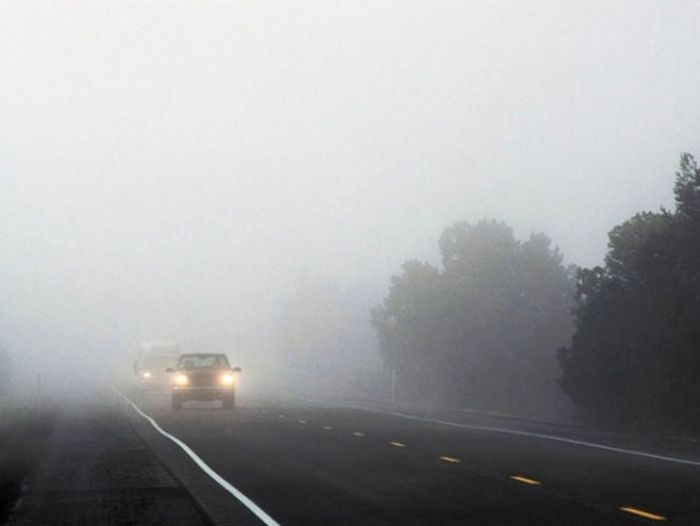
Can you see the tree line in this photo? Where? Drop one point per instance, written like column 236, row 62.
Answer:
column 504, row 325
column 635, row 356
column 482, row 329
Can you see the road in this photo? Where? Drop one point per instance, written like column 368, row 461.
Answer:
column 313, row 464
column 93, row 469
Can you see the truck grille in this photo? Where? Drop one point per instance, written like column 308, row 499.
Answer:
column 203, row 379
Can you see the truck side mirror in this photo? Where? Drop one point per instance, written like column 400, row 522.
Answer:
column 170, row 370
column 236, row 370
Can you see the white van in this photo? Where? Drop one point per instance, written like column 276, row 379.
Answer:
column 152, row 359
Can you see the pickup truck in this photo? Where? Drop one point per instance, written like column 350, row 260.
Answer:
column 203, row 376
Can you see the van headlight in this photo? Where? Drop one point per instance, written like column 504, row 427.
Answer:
column 147, row 375
column 227, row 379
column 181, row 379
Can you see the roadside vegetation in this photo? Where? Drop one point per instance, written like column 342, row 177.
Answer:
column 635, row 357
column 483, row 329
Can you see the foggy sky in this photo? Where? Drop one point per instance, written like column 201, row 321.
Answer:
column 169, row 170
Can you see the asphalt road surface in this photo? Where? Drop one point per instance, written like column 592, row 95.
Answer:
column 312, row 464
column 95, row 470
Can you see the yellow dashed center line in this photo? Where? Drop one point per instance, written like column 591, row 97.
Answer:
column 518, row 478
column 642, row 513
column 525, row 480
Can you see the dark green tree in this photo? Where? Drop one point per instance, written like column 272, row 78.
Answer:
column 635, row 356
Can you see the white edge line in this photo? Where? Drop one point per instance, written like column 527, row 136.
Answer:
column 553, row 438
column 259, row 513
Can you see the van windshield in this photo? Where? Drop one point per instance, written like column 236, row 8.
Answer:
column 157, row 362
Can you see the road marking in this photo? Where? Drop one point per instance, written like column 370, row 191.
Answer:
column 302, row 421
column 281, row 416
column 259, row 513
column 525, row 480
column 396, row 444
column 327, row 428
column 358, row 433
column 644, row 514
column 450, row 459
column 553, row 438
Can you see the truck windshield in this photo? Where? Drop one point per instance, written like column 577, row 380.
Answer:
column 204, row 361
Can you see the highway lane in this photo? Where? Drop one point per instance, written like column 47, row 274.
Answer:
column 325, row 465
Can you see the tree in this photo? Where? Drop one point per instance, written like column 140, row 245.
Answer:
column 635, row 356
column 482, row 330
column 406, row 325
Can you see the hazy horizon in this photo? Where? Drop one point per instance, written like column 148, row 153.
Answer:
column 171, row 171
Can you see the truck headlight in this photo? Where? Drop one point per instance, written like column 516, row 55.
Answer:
column 181, row 379
column 227, row 379
column 147, row 374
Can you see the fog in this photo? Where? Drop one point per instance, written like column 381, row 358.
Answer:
column 176, row 170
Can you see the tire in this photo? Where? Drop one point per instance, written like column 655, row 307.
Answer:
column 176, row 402
column 229, row 402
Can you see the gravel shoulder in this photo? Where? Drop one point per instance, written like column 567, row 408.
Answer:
column 23, row 432
column 94, row 469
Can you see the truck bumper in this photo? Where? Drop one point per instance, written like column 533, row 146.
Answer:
column 203, row 393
